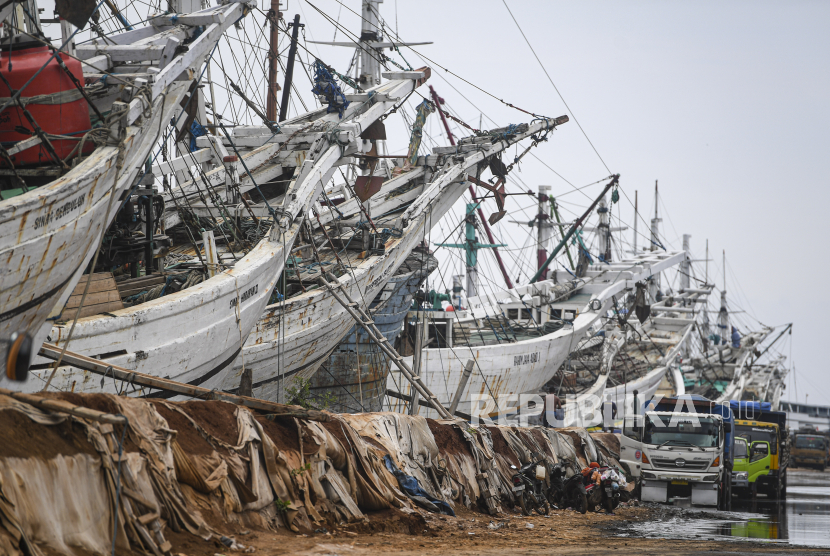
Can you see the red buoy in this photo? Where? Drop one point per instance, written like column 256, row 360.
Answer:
column 55, row 113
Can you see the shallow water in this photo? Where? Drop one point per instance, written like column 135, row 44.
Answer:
column 802, row 519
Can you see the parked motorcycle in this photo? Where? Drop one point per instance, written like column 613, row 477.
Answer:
column 529, row 487
column 606, row 491
column 567, row 493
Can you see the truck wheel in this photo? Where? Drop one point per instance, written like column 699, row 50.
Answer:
column 776, row 489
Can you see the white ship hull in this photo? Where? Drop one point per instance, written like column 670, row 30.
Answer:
column 523, row 367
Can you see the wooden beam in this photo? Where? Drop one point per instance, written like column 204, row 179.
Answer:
column 198, row 49
column 53, row 352
column 101, row 63
column 121, row 52
column 204, row 17
column 182, row 163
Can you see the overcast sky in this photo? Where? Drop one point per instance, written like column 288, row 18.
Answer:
column 725, row 103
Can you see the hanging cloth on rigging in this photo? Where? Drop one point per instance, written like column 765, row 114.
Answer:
column 325, row 85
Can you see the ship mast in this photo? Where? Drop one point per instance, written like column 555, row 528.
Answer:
column 543, row 230
column 438, row 101
column 274, row 15
column 654, row 289
column 471, row 247
column 686, row 265
column 723, row 314
column 636, row 216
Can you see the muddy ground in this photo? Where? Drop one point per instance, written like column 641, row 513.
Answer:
column 563, row 532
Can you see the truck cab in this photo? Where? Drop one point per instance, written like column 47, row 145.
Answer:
column 766, row 434
column 681, row 448
column 810, row 448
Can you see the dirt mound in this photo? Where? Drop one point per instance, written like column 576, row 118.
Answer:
column 186, row 434
column 98, row 402
column 391, row 521
column 20, row 437
column 217, row 418
column 449, row 439
column 282, row 431
column 500, row 447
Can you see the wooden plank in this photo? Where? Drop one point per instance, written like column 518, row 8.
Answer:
column 96, row 286
column 51, row 351
column 90, row 310
column 23, row 145
column 129, row 37
column 100, row 63
column 147, row 519
column 95, row 277
column 107, row 296
column 183, row 162
column 138, row 285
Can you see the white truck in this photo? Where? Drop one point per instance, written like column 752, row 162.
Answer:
column 678, row 454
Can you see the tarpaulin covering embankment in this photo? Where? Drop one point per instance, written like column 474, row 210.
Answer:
column 204, row 468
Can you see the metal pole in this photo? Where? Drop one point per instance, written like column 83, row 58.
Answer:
column 289, row 68
column 574, row 228
column 437, row 101
column 541, row 233
column 271, row 103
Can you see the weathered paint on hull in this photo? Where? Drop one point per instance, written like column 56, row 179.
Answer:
column 501, row 370
column 48, row 235
column 189, row 336
column 292, row 339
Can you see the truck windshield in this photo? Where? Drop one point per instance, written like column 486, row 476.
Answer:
column 674, row 430
column 809, row 442
column 740, row 448
column 756, row 433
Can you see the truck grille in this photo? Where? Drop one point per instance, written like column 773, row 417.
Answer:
column 691, row 465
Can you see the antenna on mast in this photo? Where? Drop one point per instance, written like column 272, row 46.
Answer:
column 636, row 215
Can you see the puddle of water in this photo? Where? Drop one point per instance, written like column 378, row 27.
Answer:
column 802, row 519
